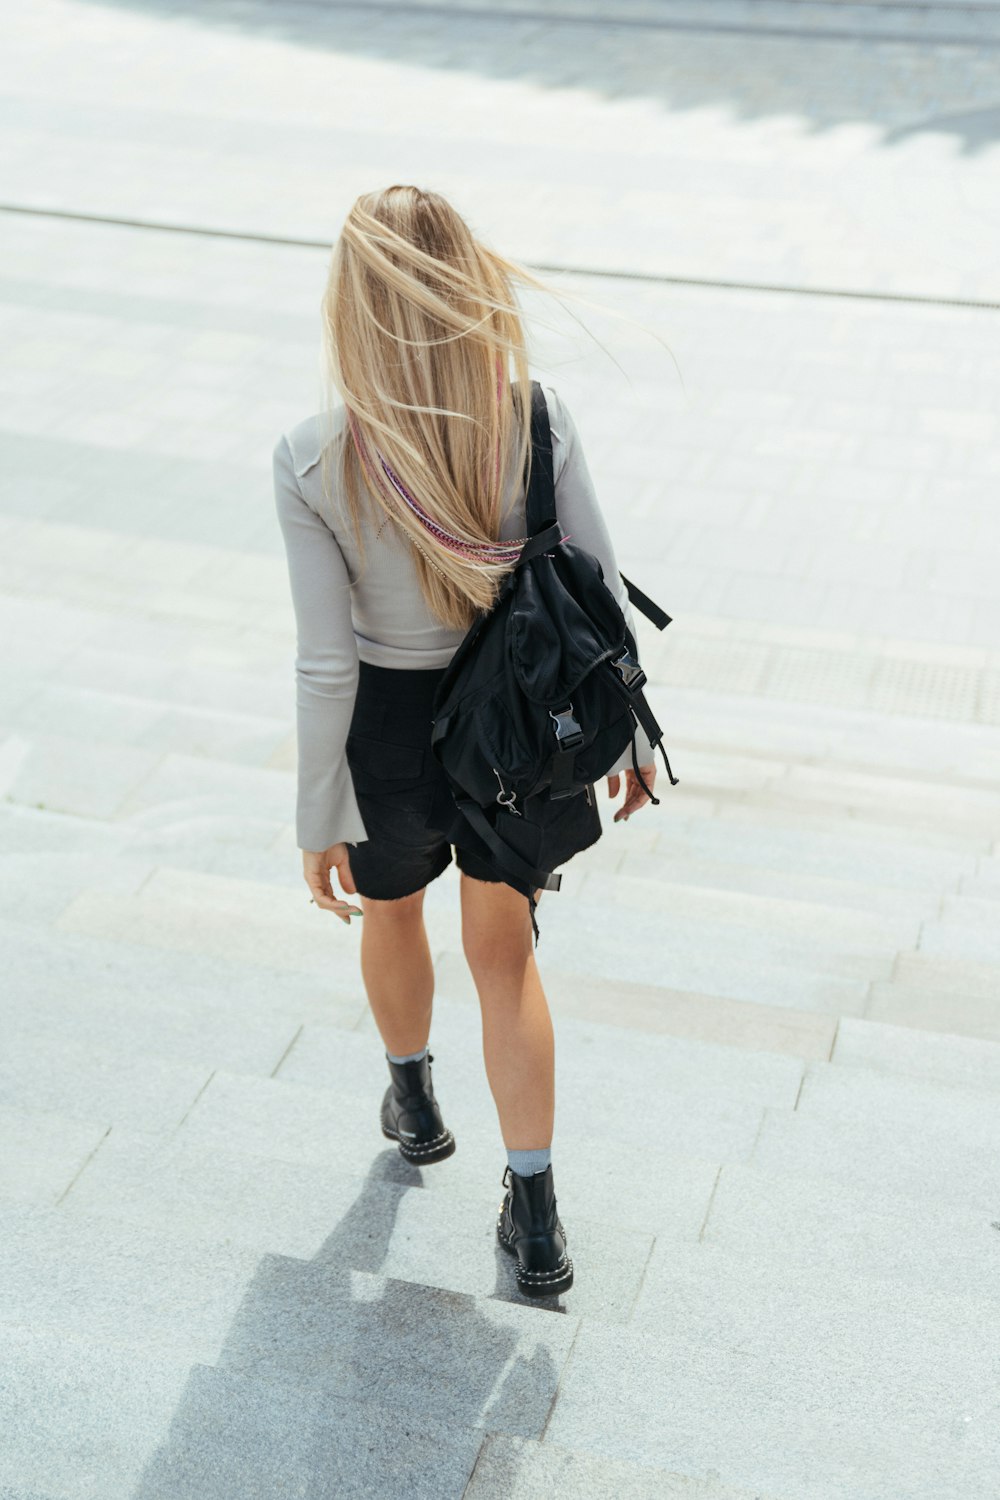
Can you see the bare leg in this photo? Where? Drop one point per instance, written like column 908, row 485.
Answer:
column 518, row 1041
column 397, row 970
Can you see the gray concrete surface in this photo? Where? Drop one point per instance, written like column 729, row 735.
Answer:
column 776, row 995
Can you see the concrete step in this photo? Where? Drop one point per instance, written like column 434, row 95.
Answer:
column 131, row 1427
column 935, row 1008
column 424, row 1352
column 828, row 927
column 934, row 801
column 41, row 968
column 523, row 1469
column 682, row 865
column 951, row 976
column 49, row 1075
column 375, row 1213
column 292, row 1122
column 765, row 813
column 751, row 1026
column 893, row 1102
column 655, row 945
column 846, row 1231
column 926, row 1163
column 962, row 941
column 791, row 1381
column 44, row 1153
column 254, row 922
column 141, row 1429
column 844, row 849
column 936, row 1057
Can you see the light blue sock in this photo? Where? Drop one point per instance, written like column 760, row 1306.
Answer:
column 527, row 1163
column 410, row 1056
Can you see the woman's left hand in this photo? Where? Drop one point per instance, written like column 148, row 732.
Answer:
column 316, row 867
column 634, row 794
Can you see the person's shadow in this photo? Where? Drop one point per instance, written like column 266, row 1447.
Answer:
column 336, row 1384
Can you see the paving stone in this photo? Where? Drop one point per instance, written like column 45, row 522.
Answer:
column 949, row 1166
column 384, row 1220
column 935, row 1009
column 962, row 941
column 364, row 1337
column 962, row 978
column 128, row 1426
column 44, row 1153
column 649, row 1008
column 51, row 1075
column 789, row 1385
column 199, row 984
column 854, row 1230
column 685, row 864
column 959, row 1060
column 594, row 1059
column 525, row 1470
column 193, row 912
column 897, row 1103
column 827, row 926
column 841, row 852
column 57, row 777
column 301, row 1124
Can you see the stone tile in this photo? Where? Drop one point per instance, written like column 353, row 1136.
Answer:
column 127, row 1426
column 50, row 1075
column 962, row 1061
column 44, row 1153
column 187, row 910
column 199, row 984
column 524, row 1470
column 786, row 1384
column 743, row 1024
column 57, row 777
column 829, row 928
column 383, row 1219
column 896, row 1103
column 854, row 1230
column 949, row 1166
column 935, row 1009
column 593, row 1057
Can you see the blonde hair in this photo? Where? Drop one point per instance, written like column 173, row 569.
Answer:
column 425, row 344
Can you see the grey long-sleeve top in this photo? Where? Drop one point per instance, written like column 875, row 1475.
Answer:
column 377, row 614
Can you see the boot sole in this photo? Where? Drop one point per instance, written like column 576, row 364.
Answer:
column 538, row 1283
column 427, row 1151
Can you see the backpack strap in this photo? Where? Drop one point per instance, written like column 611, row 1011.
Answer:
column 540, row 505
column 540, row 508
column 506, row 856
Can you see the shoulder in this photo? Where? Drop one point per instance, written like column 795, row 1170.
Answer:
column 306, row 440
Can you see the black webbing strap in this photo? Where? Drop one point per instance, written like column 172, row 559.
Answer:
column 504, row 853
column 642, row 601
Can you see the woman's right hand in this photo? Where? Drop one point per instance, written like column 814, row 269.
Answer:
column 316, row 867
column 635, row 797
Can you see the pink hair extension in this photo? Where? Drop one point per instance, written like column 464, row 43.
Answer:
column 495, row 554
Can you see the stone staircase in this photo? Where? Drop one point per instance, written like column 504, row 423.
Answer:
column 777, row 1006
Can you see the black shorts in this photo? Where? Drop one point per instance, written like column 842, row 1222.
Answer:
column 406, row 802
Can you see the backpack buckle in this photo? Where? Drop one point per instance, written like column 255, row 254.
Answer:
column 567, row 728
column 629, row 670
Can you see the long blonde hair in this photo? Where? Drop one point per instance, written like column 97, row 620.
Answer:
column 425, row 344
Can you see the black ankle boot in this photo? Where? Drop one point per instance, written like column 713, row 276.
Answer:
column 411, row 1115
column 529, row 1226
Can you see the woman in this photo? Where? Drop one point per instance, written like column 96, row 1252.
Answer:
column 402, row 509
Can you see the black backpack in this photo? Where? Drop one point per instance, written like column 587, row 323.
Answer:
column 544, row 691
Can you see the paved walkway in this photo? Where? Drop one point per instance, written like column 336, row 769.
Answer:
column 775, row 994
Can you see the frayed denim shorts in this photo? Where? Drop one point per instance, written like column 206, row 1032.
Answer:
column 406, row 802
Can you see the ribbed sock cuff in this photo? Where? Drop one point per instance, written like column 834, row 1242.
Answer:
column 527, row 1163
column 410, row 1056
